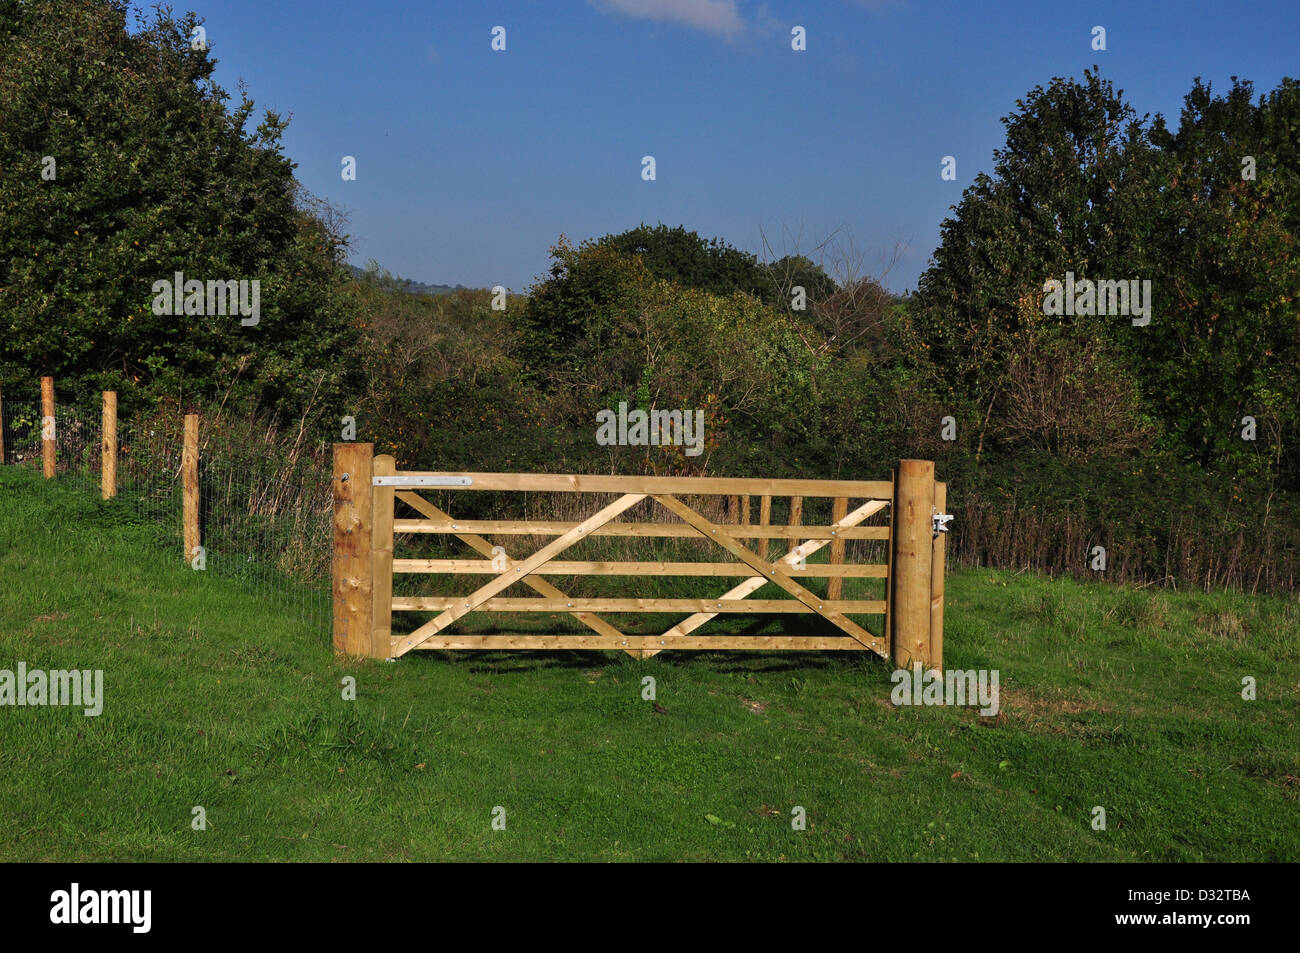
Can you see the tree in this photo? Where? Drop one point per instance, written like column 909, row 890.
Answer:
column 1227, row 343
column 1070, row 192
column 681, row 256
column 149, row 173
column 588, row 284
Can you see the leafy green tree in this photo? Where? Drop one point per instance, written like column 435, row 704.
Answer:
column 588, row 285
column 1085, row 185
column 1067, row 194
column 676, row 254
column 1225, row 345
column 149, row 173
column 712, row 265
column 588, row 282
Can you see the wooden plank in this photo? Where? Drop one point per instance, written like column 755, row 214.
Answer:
column 889, row 580
column 47, row 427
column 755, row 606
column 651, row 485
column 754, row 583
column 381, row 559
column 485, row 592
column 481, row 545
column 838, row 509
column 190, row 486
column 912, row 555
column 764, row 518
column 654, row 530
column 772, row 571
column 352, row 581
column 108, row 447
column 581, row 568
column 937, row 566
column 653, row 643
column 796, row 513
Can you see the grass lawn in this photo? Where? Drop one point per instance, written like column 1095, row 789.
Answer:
column 1127, row 699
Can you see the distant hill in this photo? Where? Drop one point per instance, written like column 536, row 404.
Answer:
column 405, row 284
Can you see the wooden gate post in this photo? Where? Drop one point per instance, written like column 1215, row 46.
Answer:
column 190, row 486
column 937, row 565
column 108, row 458
column 352, row 570
column 912, row 556
column 2, row 428
column 47, row 426
column 381, row 559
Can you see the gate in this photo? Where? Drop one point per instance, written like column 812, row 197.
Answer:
column 368, row 489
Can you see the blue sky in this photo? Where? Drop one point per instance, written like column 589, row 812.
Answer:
column 471, row 163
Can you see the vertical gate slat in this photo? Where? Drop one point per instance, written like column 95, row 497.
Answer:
column 835, row 585
column 381, row 559
column 937, row 566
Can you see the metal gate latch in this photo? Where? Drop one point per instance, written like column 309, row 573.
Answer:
column 941, row 521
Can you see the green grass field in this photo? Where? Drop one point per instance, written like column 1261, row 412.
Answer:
column 1127, row 699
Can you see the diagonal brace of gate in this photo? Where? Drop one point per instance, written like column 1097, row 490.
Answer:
column 751, row 585
column 770, row 571
column 508, row 578
column 484, row 548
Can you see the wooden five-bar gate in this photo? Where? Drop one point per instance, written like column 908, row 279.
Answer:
column 367, row 487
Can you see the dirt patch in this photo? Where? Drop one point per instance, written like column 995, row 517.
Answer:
column 1038, row 712
column 756, row 707
column 52, row 617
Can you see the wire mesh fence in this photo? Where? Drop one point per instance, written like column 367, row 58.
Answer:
column 269, row 526
column 264, row 515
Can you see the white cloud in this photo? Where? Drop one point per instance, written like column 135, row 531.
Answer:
column 712, row 16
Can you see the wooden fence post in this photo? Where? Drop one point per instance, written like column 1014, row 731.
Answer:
column 190, row 485
column 381, row 559
column 2, row 428
column 937, row 561
column 912, row 557
column 108, row 458
column 352, row 570
column 47, row 426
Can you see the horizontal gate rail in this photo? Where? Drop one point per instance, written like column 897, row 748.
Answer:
column 644, row 643
column 368, row 487
column 603, row 568
column 569, row 483
column 756, row 606
column 677, row 530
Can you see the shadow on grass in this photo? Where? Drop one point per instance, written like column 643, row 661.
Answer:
column 521, row 661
